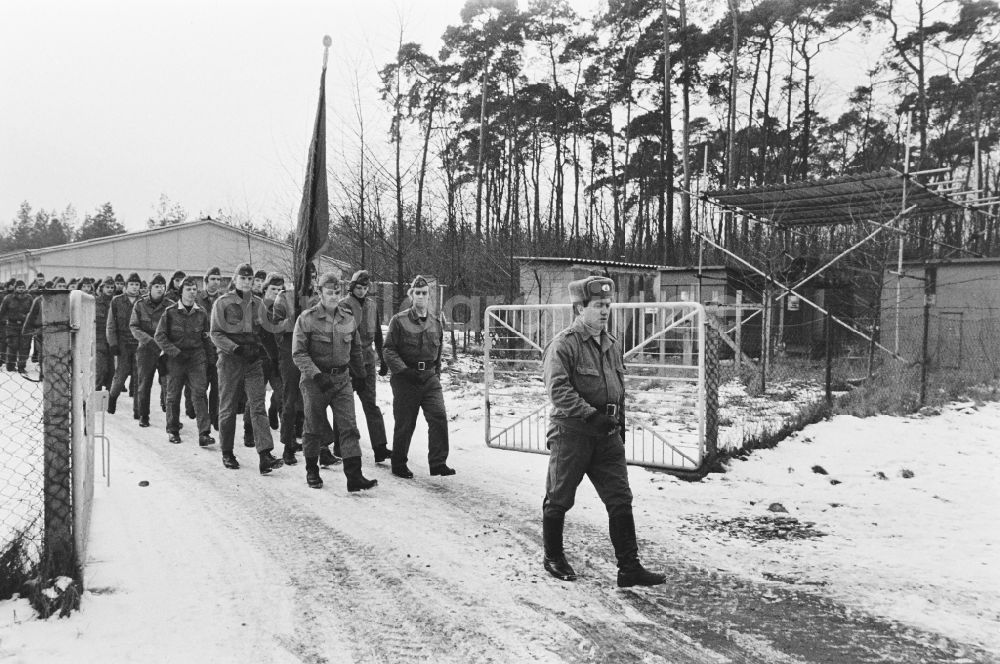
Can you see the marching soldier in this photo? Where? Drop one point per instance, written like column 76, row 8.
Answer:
column 105, row 368
column 6, row 289
column 175, row 285
column 13, row 312
column 183, row 334
column 326, row 348
column 235, row 330
column 206, row 300
column 120, row 284
column 584, row 374
column 413, row 352
column 370, row 331
column 121, row 343
column 145, row 317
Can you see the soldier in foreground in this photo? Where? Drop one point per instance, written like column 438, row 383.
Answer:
column 182, row 334
column 413, row 352
column 235, row 330
column 584, row 372
column 326, row 349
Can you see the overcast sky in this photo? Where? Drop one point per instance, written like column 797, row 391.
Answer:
column 208, row 102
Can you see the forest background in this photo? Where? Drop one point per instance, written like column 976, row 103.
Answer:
column 541, row 130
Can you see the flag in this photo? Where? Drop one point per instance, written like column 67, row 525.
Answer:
column 314, row 212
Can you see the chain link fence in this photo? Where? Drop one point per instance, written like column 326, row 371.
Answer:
column 36, row 480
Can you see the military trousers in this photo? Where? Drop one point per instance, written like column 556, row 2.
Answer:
column 124, row 369
column 408, row 399
column 373, row 414
column 236, row 375
column 18, row 346
column 272, row 377
column 104, row 367
column 187, row 370
column 291, row 395
column 146, row 359
column 317, row 431
column 572, row 455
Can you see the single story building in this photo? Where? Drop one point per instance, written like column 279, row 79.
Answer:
column 544, row 280
column 192, row 247
column 964, row 313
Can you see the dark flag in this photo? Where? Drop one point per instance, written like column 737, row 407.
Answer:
column 314, row 213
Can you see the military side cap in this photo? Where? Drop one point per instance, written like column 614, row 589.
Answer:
column 329, row 280
column 18, row 283
column 260, row 274
column 108, row 280
column 418, row 282
column 179, row 274
column 157, row 278
column 134, row 277
column 244, row 270
column 360, row 278
column 189, row 281
column 213, row 271
column 119, row 278
column 274, row 279
column 584, row 290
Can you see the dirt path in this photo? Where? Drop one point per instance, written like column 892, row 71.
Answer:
column 448, row 569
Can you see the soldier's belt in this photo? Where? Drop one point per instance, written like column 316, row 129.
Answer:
column 421, row 366
column 336, row 371
column 611, row 409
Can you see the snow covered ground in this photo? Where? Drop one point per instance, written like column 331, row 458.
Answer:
column 888, row 555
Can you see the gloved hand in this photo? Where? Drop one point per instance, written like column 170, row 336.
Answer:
column 383, row 368
column 115, row 350
column 602, row 422
column 324, row 381
column 359, row 384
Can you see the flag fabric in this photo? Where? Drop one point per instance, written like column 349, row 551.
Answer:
column 314, row 213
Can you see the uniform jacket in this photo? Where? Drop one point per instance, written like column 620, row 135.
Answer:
column 119, row 316
column 582, row 377
column 145, row 317
column 33, row 323
column 206, row 301
column 180, row 330
column 101, row 305
column 323, row 341
column 236, row 320
column 279, row 311
column 15, row 308
column 366, row 316
column 411, row 340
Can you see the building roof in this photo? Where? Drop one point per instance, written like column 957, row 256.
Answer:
column 938, row 262
column 587, row 261
column 876, row 196
column 158, row 231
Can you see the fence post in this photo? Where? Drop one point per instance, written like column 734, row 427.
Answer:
column 59, row 553
column 827, row 337
column 765, row 333
column 923, row 351
column 739, row 330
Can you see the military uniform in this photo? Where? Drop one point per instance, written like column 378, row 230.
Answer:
column 13, row 312
column 370, row 333
column 105, row 361
column 326, row 349
column 206, row 301
column 145, row 317
column 235, row 330
column 281, row 317
column 584, row 374
column 124, row 345
column 413, row 352
column 183, row 335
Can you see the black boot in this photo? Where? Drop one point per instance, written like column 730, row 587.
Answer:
column 174, row 438
column 327, row 458
column 630, row 570
column 355, row 480
column 206, row 439
column 143, row 421
column 442, row 469
column 382, row 453
column 312, row 473
column 229, row 461
column 555, row 559
column 268, row 462
column 288, row 455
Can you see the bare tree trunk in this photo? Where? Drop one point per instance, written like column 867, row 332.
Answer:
column 479, row 161
column 685, row 142
column 734, row 10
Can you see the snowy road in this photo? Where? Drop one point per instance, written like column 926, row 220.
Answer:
column 210, row 565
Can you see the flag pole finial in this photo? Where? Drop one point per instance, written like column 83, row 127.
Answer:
column 327, row 43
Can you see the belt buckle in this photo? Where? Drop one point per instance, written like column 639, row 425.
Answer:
column 421, row 366
column 611, row 409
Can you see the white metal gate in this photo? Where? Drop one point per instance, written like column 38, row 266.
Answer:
column 665, row 401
